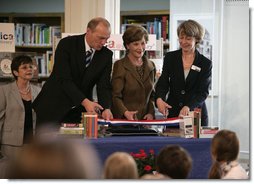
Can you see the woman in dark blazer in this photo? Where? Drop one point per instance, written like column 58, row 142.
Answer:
column 186, row 76
column 17, row 118
column 133, row 78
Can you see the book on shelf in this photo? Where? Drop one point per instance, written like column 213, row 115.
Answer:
column 40, row 62
column 50, row 61
column 125, row 26
column 6, row 60
column 35, row 34
column 72, row 125
column 165, row 30
column 42, row 66
column 159, row 26
column 72, row 130
column 5, row 64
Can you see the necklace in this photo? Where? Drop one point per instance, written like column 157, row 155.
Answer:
column 26, row 91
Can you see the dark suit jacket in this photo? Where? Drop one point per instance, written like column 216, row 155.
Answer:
column 71, row 82
column 191, row 92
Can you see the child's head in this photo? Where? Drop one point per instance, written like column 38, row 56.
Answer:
column 174, row 161
column 120, row 165
column 224, row 149
column 225, row 146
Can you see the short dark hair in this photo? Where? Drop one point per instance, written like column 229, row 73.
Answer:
column 191, row 28
column 19, row 60
column 174, row 161
column 134, row 33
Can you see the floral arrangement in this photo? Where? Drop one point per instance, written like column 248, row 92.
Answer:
column 145, row 162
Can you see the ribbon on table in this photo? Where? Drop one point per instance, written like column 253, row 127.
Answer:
column 161, row 122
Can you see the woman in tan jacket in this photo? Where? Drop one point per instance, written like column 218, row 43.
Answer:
column 17, row 119
column 133, row 78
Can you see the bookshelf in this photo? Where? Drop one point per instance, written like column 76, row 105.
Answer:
column 156, row 22
column 34, row 36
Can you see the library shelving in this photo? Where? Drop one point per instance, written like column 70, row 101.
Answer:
column 35, row 34
column 156, row 22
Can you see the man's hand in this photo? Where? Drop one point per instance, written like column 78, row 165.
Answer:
column 91, row 106
column 107, row 114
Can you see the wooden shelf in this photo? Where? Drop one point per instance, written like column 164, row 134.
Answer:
column 35, row 38
column 146, row 12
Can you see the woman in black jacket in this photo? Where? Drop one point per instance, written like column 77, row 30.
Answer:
column 186, row 77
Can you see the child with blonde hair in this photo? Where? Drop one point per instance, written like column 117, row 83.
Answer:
column 120, row 165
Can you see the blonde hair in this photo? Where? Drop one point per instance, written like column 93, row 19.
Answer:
column 120, row 165
column 193, row 29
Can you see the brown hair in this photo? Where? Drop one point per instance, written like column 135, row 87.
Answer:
column 224, row 147
column 55, row 159
column 134, row 33
column 191, row 28
column 174, row 161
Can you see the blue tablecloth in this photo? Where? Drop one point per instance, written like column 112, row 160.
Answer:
column 199, row 149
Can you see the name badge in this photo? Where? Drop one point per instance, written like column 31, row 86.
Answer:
column 196, row 68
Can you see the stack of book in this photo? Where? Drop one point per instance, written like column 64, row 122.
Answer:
column 208, row 132
column 172, row 131
column 72, row 129
column 187, row 127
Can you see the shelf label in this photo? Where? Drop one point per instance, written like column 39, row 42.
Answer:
column 115, row 42
column 7, row 38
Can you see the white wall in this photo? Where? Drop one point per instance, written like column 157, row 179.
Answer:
column 232, row 102
column 235, row 90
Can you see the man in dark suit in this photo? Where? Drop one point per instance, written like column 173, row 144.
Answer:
column 69, row 90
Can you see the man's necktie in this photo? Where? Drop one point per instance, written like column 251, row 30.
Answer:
column 89, row 54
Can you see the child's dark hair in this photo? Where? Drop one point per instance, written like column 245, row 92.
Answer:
column 19, row 60
column 174, row 161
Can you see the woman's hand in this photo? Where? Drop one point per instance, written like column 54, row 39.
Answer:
column 163, row 107
column 148, row 117
column 130, row 115
column 184, row 111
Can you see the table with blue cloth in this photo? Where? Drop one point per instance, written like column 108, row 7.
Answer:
column 199, row 149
